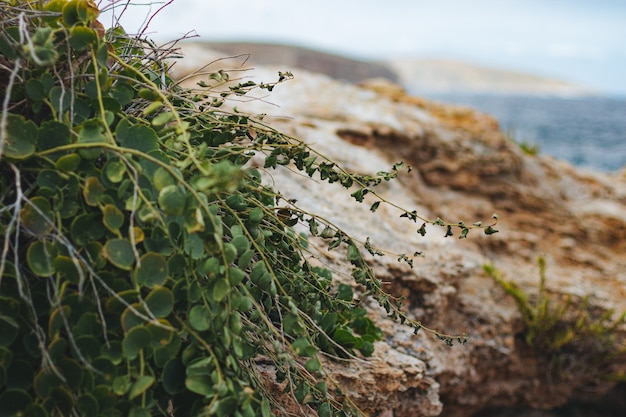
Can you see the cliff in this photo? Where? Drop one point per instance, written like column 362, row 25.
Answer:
column 464, row 169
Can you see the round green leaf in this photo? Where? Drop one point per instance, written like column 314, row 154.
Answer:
column 67, row 267
column 120, row 253
column 173, row 376
column 160, row 336
column 140, row 137
column 87, row 405
column 14, row 402
column 91, row 132
column 136, row 339
column 114, row 171
column 56, row 134
column 172, row 200
column 68, row 163
column 37, row 216
column 129, row 319
column 112, row 217
column 8, row 330
column 40, row 258
column 44, row 382
column 152, row 270
column 35, row 89
column 162, row 178
column 21, row 137
column 221, row 288
column 81, row 37
column 93, row 191
column 199, row 317
column 160, row 301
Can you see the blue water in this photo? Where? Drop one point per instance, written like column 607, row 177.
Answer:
column 588, row 132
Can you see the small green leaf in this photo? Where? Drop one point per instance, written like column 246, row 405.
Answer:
column 200, row 317
column 93, row 191
column 312, row 365
column 489, row 230
column 37, row 217
column 81, row 37
column 112, row 217
column 68, row 163
column 173, row 376
column 200, row 384
column 172, row 200
column 21, row 137
column 140, row 386
column 136, row 339
column 160, row 301
column 91, row 132
column 40, row 258
column 152, row 270
column 140, row 137
column 120, row 253
column 114, row 171
column 162, row 178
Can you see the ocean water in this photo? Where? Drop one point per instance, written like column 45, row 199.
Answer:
column 587, row 131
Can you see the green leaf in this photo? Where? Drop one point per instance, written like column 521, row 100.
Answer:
column 303, row 347
column 200, row 384
column 8, row 330
column 82, row 37
column 35, row 89
column 489, row 230
column 87, row 405
column 14, row 402
column 140, row 137
column 21, row 137
column 37, row 217
column 312, row 365
column 172, row 200
column 114, row 171
column 135, row 340
column 325, row 410
column 140, row 386
column 55, row 133
column 120, row 253
column 200, row 317
column 162, row 178
column 68, row 163
column 173, row 376
column 221, row 288
column 40, row 258
column 112, row 217
column 152, row 270
column 160, row 302
column 91, row 132
column 344, row 337
column 93, row 191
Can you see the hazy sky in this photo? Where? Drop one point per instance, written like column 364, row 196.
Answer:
column 581, row 41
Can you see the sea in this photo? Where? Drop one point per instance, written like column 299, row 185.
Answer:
column 589, row 132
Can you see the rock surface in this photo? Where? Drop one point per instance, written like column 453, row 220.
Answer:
column 464, row 169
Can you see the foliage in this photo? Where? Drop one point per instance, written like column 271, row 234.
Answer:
column 146, row 269
column 581, row 342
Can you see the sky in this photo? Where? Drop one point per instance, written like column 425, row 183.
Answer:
column 579, row 41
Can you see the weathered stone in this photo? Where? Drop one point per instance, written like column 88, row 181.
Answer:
column 464, row 169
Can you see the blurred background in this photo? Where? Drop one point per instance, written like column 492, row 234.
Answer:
column 553, row 72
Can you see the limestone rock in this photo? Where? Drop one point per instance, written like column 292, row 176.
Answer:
column 464, row 169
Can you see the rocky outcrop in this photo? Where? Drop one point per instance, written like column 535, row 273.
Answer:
column 464, row 169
